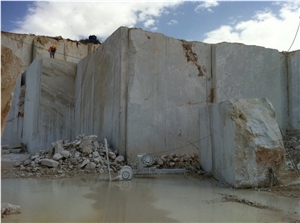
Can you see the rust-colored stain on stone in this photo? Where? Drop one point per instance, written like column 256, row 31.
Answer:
column 273, row 157
column 192, row 56
column 211, row 96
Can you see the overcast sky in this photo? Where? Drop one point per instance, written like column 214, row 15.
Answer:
column 268, row 24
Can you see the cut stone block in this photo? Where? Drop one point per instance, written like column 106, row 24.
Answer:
column 246, row 141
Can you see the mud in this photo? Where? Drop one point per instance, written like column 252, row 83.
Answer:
column 159, row 198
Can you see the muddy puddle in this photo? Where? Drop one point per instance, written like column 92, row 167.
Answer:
column 160, row 198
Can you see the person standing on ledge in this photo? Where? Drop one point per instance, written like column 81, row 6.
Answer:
column 52, row 50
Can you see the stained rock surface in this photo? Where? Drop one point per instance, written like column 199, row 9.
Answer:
column 247, row 143
column 11, row 66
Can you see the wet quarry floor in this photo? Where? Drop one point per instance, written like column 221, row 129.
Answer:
column 159, row 198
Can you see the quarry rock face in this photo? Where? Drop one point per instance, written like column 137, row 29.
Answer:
column 142, row 91
column 241, row 71
column 17, row 53
column 158, row 84
column 49, row 104
column 246, row 142
column 11, row 66
column 29, row 47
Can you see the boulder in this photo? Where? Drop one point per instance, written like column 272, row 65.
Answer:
column 246, row 142
column 49, row 162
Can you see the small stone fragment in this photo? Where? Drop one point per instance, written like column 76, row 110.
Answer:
column 90, row 166
column 96, row 144
column 17, row 164
column 58, row 146
column 171, row 164
column 159, row 161
column 112, row 155
column 88, row 149
column 27, row 162
column 7, row 208
column 96, row 154
column 77, row 154
column 49, row 162
column 57, row 156
column 176, row 159
column 84, row 163
column 120, row 159
column 65, row 154
column 35, row 156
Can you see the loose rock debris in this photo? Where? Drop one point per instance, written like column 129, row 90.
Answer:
column 87, row 155
column 292, row 146
column 234, row 198
column 7, row 209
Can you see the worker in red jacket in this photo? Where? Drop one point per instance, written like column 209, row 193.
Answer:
column 52, row 50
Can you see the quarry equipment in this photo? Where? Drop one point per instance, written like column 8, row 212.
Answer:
column 143, row 165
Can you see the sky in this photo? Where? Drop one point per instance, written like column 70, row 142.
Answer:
column 270, row 24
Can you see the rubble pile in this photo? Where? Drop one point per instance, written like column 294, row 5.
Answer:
column 84, row 155
column 172, row 161
column 292, row 146
column 87, row 155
